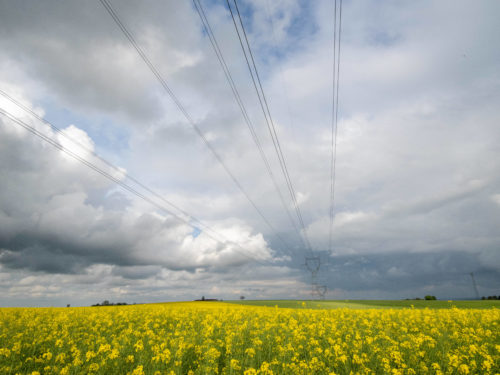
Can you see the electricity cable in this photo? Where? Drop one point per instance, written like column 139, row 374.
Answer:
column 284, row 84
column 335, row 111
column 189, row 119
column 229, row 78
column 109, row 164
column 271, row 127
column 118, row 181
column 269, row 121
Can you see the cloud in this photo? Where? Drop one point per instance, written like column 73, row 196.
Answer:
column 60, row 223
column 496, row 198
column 444, row 274
column 417, row 150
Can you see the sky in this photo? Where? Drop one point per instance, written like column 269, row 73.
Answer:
column 417, row 186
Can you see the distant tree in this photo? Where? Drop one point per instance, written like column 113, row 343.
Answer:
column 68, row 305
column 483, row 298
column 203, row 298
column 430, row 298
column 242, row 297
column 105, row 303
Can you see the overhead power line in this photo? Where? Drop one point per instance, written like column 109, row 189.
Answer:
column 267, row 115
column 125, row 186
column 109, row 164
column 189, row 119
column 222, row 62
column 284, row 84
column 335, row 113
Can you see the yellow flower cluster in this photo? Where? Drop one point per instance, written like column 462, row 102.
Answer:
column 218, row 338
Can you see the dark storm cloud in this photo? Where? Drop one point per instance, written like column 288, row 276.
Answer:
column 38, row 258
column 50, row 254
column 136, row 272
column 397, row 274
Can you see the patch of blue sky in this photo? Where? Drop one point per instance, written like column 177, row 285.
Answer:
column 110, row 139
column 301, row 29
column 196, row 232
column 304, row 23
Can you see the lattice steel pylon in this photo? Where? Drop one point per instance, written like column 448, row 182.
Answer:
column 321, row 290
column 313, row 264
column 474, row 285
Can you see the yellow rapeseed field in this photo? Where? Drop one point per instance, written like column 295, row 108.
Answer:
column 219, row 338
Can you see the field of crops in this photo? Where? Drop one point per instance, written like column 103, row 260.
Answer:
column 374, row 304
column 220, row 338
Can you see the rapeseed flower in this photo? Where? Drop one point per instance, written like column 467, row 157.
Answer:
column 193, row 338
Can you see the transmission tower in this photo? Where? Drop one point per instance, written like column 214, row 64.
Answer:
column 313, row 264
column 474, row 285
column 321, row 290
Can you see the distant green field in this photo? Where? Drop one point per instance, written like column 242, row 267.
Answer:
column 295, row 304
column 372, row 304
